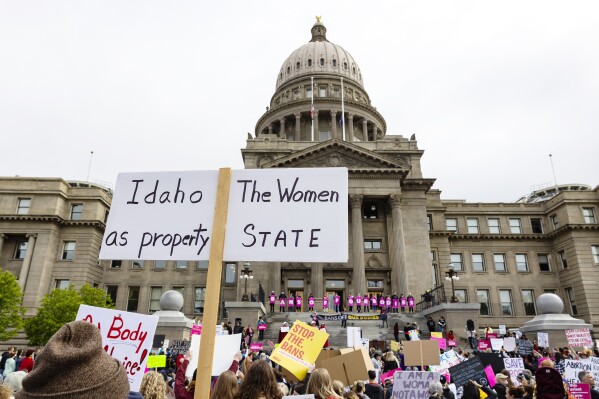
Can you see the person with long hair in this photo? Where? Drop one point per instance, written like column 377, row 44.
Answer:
column 153, row 386
column 389, row 362
column 226, row 386
column 321, row 385
column 187, row 392
column 27, row 362
column 259, row 383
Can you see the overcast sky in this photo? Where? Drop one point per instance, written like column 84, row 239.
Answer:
column 489, row 88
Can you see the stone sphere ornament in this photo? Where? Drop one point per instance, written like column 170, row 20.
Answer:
column 549, row 304
column 171, row 300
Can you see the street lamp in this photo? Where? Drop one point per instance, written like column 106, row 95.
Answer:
column 246, row 274
column 452, row 275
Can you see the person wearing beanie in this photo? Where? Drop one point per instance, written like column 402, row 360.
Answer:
column 73, row 364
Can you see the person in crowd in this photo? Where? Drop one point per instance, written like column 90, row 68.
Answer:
column 282, row 302
column 311, row 303
column 515, row 393
column 377, row 362
column 261, row 322
column 389, row 362
column 587, row 378
column 291, row 302
column 450, row 336
column 382, row 301
column 529, row 391
column 153, row 386
column 272, row 298
column 325, row 304
column 395, row 303
column 447, row 390
column 406, row 330
column 373, row 389
column 506, row 373
column 359, row 302
column 323, row 328
column 523, row 379
column 396, row 331
column 10, row 364
column 384, row 316
column 5, row 392
column 249, row 333
column 373, row 302
column 366, row 303
column 27, row 362
column 187, row 392
column 350, row 302
column 11, row 351
column 559, row 364
column 226, row 386
column 472, row 390
column 431, row 325
column 350, row 395
column 259, row 383
column 14, row 380
column 488, row 330
column 403, row 303
column 229, row 328
column 435, row 390
column 358, row 388
column 441, row 324
column 338, row 387
column 411, row 303
column 73, row 364
column 501, row 385
column 337, row 302
column 298, row 303
column 415, row 330
column 320, row 385
column 246, row 364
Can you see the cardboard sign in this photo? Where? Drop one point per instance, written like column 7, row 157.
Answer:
column 573, row 367
column 580, row 390
column 180, row 347
column 579, row 338
column 469, row 370
column 496, row 343
column 543, row 340
column 413, row 384
column 515, row 366
column 345, row 365
column 126, row 336
column 256, row 346
column 300, row 348
column 509, row 344
column 418, row 353
column 294, row 214
column 156, row 361
column 225, row 348
column 502, row 329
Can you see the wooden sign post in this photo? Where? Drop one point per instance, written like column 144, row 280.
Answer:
column 215, row 268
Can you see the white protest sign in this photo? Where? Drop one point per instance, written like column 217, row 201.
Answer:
column 225, row 348
column 502, row 329
column 219, row 329
column 509, row 344
column 496, row 343
column 579, row 338
column 447, row 359
column 354, row 337
column 274, row 215
column 413, row 384
column 126, row 336
column 365, row 342
column 515, row 365
column 573, row 367
column 543, row 339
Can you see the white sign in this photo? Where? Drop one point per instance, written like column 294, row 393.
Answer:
column 515, row 365
column 365, row 342
column 496, row 344
column 354, row 337
column 579, row 338
column 509, row 344
column 543, row 340
column 225, row 348
column 502, row 329
column 413, row 384
column 447, row 359
column 274, row 215
column 126, row 336
column 573, row 367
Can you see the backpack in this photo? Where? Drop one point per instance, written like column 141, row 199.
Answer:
column 549, row 384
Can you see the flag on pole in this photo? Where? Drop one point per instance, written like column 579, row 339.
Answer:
column 312, row 112
column 340, row 121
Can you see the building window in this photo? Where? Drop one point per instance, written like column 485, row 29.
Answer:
column 370, row 211
column 477, row 263
column 528, row 299
column 334, row 63
column 429, row 222
column 322, row 62
column 554, row 221
column 563, row 259
column 536, row 225
column 494, row 226
column 297, row 65
column 521, row 262
column 572, row 301
column 288, row 70
column 202, row 265
column 111, row 291
column 23, row 206
column 155, row 294
column 21, row 250
column 137, row 264
column 198, row 300
column 376, row 284
column 550, row 291
column 322, row 91
column 335, row 284
column 595, row 252
column 159, row 264
column 180, row 290
column 452, row 225
column 472, row 226
column 133, row 299
column 181, row 265
column 499, row 262
column 309, row 92
column 63, row 284
column 462, row 295
column 482, row 297
column 324, row 136
column 309, row 62
column 505, row 301
column 589, row 215
column 543, row 262
column 295, row 283
column 373, row 245
column 76, row 211
column 515, row 226
column 116, row 264
column 230, row 273
column 456, row 261
column 68, row 250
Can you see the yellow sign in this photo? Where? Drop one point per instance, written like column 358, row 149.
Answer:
column 437, row 334
column 299, row 349
column 394, row 345
column 156, row 361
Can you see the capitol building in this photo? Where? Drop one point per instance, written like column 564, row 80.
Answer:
column 403, row 236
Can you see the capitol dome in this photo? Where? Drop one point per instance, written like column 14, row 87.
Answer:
column 319, row 56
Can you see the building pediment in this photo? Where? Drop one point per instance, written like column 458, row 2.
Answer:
column 337, row 153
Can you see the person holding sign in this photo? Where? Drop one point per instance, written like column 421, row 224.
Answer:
column 291, row 303
column 411, row 303
column 261, row 329
column 298, row 303
column 382, row 301
column 359, row 303
column 311, row 303
column 272, row 299
column 337, row 302
column 282, row 301
column 373, row 302
column 403, row 302
column 366, row 303
column 350, row 302
column 395, row 303
column 325, row 304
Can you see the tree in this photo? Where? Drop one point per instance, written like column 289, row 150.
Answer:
column 11, row 311
column 60, row 307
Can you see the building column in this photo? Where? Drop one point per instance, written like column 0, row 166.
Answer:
column 316, row 282
column 333, row 124
column 282, row 130
column 27, row 261
column 270, row 128
column 298, row 131
column 359, row 273
column 316, row 133
column 398, row 262
column 276, row 278
column 350, row 124
column 374, row 132
column 2, row 237
column 365, row 129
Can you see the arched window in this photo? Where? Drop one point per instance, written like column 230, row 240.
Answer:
column 334, row 63
column 345, row 66
column 354, row 70
column 322, row 62
column 288, row 70
column 309, row 62
column 297, row 65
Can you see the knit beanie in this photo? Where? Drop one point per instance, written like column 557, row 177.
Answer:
column 73, row 364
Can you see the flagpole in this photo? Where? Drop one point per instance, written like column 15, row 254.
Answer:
column 312, row 109
column 342, row 111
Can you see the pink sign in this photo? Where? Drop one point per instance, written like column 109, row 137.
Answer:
column 388, row 302
column 388, row 374
column 298, row 302
column 382, row 301
column 325, row 302
column 490, row 375
column 196, row 330
column 492, row 335
column 350, row 301
column 282, row 302
column 311, row 302
column 337, row 299
column 451, row 342
column 441, row 341
column 580, row 390
column 273, row 299
column 261, row 327
column 411, row 302
column 395, row 303
column 291, row 302
column 484, row 344
column 403, row 302
column 256, row 346
column 373, row 301
column 358, row 300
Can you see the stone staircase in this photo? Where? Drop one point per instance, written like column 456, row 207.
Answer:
column 371, row 329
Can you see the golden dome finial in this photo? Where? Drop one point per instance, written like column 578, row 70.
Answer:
column 318, row 18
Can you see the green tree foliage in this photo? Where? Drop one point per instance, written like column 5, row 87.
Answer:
column 11, row 311
column 60, row 307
